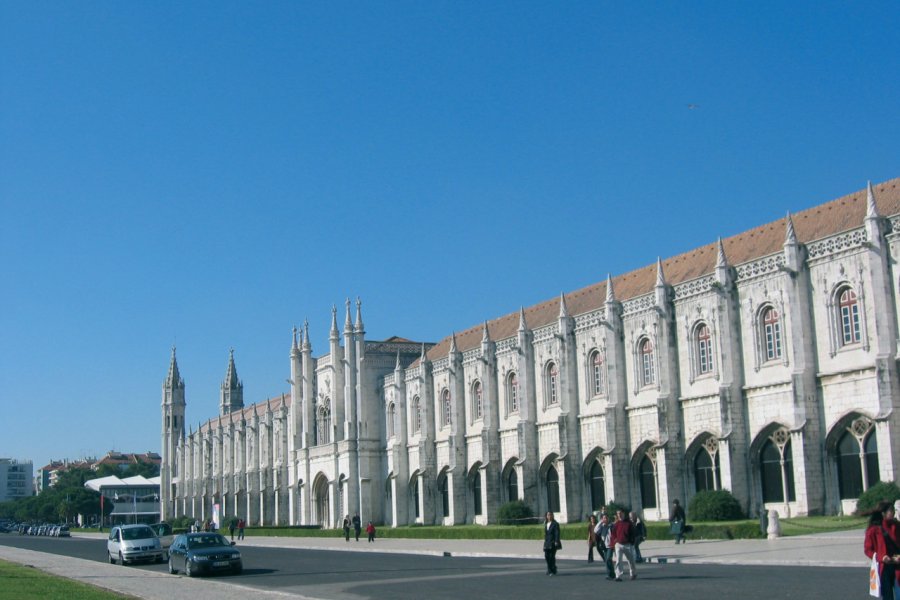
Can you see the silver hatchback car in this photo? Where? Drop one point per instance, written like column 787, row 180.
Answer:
column 128, row 543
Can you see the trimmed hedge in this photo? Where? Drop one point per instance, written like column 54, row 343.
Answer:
column 715, row 505
column 880, row 491
column 516, row 513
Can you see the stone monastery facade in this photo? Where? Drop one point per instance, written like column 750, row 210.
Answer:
column 764, row 363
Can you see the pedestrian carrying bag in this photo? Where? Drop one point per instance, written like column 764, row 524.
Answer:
column 874, row 578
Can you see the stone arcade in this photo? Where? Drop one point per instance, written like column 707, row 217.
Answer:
column 764, row 363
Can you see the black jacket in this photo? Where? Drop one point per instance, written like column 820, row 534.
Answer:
column 551, row 535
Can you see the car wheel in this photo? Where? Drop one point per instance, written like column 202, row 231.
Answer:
column 121, row 559
column 112, row 559
column 188, row 570
column 172, row 569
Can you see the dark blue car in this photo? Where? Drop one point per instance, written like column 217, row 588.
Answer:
column 203, row 553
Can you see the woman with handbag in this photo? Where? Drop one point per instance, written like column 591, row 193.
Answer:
column 883, row 550
column 552, row 542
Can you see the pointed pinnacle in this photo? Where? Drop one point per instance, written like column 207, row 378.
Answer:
column 334, row 329
column 359, row 321
column 563, row 309
column 871, row 208
column 660, row 278
column 397, row 365
column 348, row 324
column 790, row 236
column 485, row 334
column 306, row 344
column 294, row 338
column 522, row 325
column 721, row 260
column 453, row 342
column 424, row 356
column 610, row 293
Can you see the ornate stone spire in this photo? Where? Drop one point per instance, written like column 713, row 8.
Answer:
column 397, row 365
column 522, row 325
column 610, row 293
column 485, row 334
column 359, row 322
column 871, row 208
column 173, row 379
column 453, row 343
column 424, row 357
column 294, row 345
column 790, row 236
column 231, row 376
column 306, row 343
column 660, row 277
column 721, row 260
column 348, row 324
column 334, row 330
column 563, row 309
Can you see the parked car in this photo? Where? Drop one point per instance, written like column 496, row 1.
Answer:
column 164, row 532
column 129, row 543
column 63, row 531
column 203, row 553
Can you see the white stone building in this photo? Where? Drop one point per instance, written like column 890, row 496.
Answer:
column 764, row 363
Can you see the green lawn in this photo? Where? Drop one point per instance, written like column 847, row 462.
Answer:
column 27, row 583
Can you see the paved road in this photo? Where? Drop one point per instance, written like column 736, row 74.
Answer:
column 371, row 575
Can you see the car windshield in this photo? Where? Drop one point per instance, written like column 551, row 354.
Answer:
column 205, row 541
column 137, row 533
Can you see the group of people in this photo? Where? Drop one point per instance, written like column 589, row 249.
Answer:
column 882, row 547
column 617, row 542
column 356, row 524
column 240, row 528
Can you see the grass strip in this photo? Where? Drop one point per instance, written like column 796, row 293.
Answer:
column 22, row 582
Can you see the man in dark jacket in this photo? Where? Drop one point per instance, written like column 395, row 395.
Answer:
column 552, row 542
column 678, row 521
column 357, row 525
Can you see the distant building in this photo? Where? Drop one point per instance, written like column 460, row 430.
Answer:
column 134, row 499
column 764, row 363
column 15, row 479
column 48, row 475
column 123, row 460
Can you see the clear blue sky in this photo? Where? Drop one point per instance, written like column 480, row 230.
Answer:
column 212, row 173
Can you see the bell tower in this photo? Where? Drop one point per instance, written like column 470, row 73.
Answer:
column 172, row 434
column 231, row 392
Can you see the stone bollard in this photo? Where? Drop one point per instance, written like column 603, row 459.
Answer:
column 774, row 529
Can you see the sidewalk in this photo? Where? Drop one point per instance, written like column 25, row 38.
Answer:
column 841, row 549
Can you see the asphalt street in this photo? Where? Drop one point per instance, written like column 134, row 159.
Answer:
column 369, row 574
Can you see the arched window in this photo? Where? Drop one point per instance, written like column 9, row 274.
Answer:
column 446, row 409
column 444, row 491
column 477, row 402
column 512, row 393
column 552, row 382
column 512, row 486
column 416, row 415
column 552, row 481
column 776, row 468
column 648, row 372
column 647, row 477
column 595, row 369
column 849, row 315
column 476, row 492
column 598, row 489
column 857, row 470
column 706, row 470
column 703, row 343
column 323, row 423
column 771, row 325
column 391, row 415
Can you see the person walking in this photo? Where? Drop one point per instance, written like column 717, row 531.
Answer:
column 240, row 529
column 347, row 528
column 640, row 534
column 231, row 526
column 623, row 541
column 677, row 522
column 604, row 531
column 357, row 525
column 592, row 537
column 881, row 543
column 370, row 530
column 552, row 542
